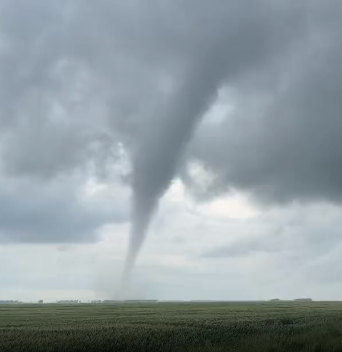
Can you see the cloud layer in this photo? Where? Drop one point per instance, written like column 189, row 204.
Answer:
column 281, row 140
column 79, row 81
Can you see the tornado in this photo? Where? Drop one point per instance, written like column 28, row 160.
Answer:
column 230, row 50
column 156, row 161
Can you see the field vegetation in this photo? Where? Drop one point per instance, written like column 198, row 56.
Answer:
column 250, row 327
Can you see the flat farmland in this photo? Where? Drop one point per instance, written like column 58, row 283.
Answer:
column 252, row 327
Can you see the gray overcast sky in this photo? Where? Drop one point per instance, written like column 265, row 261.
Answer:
column 230, row 111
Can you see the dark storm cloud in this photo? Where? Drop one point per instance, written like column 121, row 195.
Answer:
column 282, row 142
column 88, row 69
column 77, row 78
column 32, row 212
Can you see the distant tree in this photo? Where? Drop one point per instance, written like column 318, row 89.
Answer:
column 41, row 301
column 304, row 299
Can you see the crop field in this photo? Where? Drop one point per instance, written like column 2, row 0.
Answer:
column 250, row 327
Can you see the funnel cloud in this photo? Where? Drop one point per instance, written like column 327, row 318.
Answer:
column 233, row 48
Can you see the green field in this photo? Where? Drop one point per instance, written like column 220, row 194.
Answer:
column 250, row 327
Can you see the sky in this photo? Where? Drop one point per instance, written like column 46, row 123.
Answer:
column 201, row 137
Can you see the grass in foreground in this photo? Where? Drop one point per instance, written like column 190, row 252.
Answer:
column 177, row 327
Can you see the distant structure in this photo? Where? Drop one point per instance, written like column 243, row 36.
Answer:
column 303, row 299
column 275, row 300
column 113, row 301
column 69, row 301
column 96, row 302
column 140, row 301
column 10, row 302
